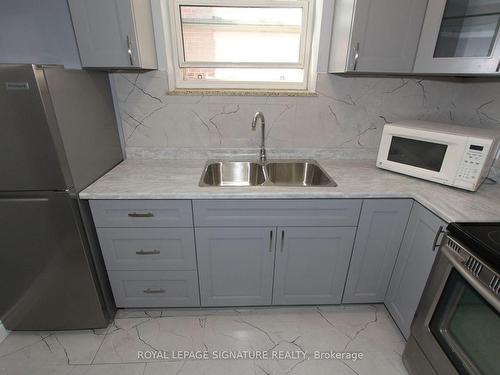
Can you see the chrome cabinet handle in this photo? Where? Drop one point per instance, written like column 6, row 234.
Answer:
column 438, row 233
column 356, row 57
column 270, row 241
column 136, row 214
column 154, row 291
column 153, row 252
column 129, row 50
column 282, row 241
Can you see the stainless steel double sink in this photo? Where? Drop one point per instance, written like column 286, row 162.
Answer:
column 274, row 172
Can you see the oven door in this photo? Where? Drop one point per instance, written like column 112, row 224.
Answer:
column 457, row 324
column 425, row 154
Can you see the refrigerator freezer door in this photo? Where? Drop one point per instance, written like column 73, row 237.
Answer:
column 28, row 157
column 47, row 280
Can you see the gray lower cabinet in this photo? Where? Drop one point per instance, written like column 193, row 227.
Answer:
column 142, row 213
column 155, row 288
column 311, row 264
column 235, row 265
column 263, row 252
column 413, row 266
column 276, row 212
column 148, row 248
column 380, row 231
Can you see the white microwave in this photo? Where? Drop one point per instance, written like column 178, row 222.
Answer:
column 453, row 155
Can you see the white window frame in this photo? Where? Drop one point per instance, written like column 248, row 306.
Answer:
column 176, row 62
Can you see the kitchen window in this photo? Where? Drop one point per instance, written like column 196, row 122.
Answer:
column 229, row 44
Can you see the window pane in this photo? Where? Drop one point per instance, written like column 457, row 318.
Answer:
column 468, row 29
column 241, row 34
column 244, row 75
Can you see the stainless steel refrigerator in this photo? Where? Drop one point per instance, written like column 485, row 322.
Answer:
column 58, row 134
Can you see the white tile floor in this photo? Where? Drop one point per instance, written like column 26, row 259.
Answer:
column 353, row 328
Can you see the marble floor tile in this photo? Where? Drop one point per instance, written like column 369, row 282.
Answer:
column 161, row 313
column 51, row 348
column 367, row 329
column 109, row 369
column 33, row 368
column 132, row 335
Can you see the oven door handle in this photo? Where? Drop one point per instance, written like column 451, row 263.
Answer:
column 487, row 294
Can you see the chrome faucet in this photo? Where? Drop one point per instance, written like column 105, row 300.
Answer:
column 260, row 115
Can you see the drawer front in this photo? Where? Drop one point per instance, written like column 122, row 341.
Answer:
column 142, row 213
column 283, row 212
column 155, row 288
column 148, row 248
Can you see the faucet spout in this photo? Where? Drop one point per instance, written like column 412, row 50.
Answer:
column 260, row 116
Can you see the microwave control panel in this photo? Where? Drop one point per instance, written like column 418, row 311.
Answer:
column 473, row 162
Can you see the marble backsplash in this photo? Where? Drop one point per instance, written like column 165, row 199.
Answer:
column 345, row 120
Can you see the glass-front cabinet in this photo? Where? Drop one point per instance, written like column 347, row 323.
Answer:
column 460, row 37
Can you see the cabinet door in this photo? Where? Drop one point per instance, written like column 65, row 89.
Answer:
column 413, row 266
column 311, row 264
column 235, row 265
column 105, row 33
column 460, row 37
column 385, row 35
column 380, row 232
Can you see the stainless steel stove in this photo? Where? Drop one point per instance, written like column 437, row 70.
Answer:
column 456, row 329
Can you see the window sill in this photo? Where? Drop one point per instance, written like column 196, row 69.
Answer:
column 230, row 92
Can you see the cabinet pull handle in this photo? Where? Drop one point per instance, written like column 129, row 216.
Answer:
column 435, row 244
column 152, row 252
column 136, row 214
column 498, row 66
column 271, row 241
column 282, row 241
column 356, row 57
column 154, row 291
column 129, row 50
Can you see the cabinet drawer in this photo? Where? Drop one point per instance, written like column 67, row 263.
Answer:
column 274, row 212
column 142, row 213
column 155, row 288
column 148, row 248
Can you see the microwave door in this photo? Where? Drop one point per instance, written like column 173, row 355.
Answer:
column 417, row 153
column 431, row 156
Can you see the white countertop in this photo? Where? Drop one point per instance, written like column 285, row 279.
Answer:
column 178, row 179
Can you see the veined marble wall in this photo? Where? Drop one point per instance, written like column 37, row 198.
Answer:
column 344, row 120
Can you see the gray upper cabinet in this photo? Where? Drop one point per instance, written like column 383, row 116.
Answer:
column 380, row 232
column 311, row 264
column 114, row 33
column 374, row 36
column 460, row 37
column 413, row 266
column 235, row 265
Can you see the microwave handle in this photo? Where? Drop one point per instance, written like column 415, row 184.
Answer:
column 488, row 295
